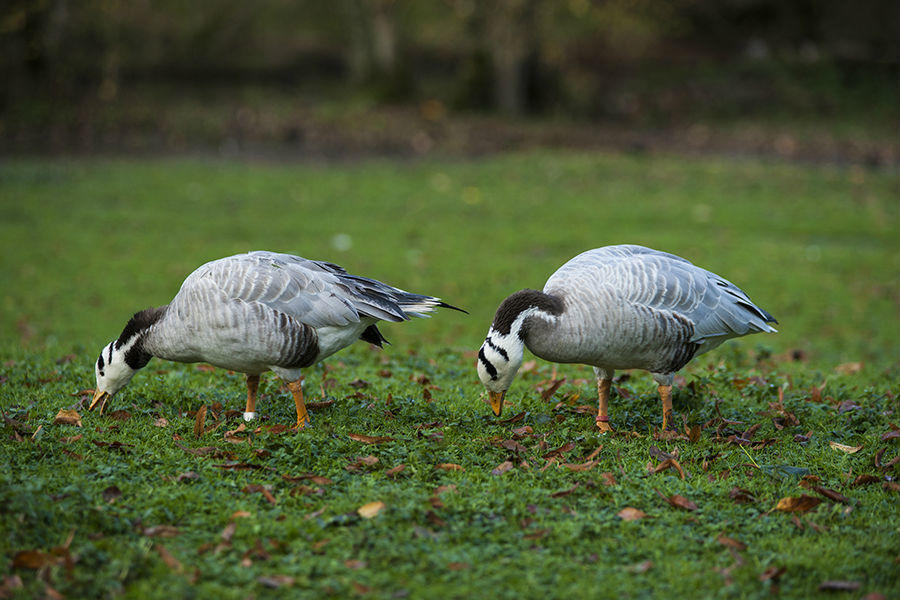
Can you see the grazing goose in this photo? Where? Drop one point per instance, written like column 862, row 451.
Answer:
column 618, row 307
column 257, row 312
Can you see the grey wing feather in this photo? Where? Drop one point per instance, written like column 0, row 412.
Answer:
column 316, row 293
column 717, row 308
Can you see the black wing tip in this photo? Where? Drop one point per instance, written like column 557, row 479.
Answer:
column 442, row 304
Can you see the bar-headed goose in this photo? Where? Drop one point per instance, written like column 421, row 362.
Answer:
column 257, row 312
column 618, row 307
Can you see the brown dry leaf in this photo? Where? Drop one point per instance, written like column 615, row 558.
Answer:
column 892, row 434
column 680, row 502
column 731, row 542
column 608, row 478
column 233, row 438
column 831, row 494
column 169, row 560
column 865, row 480
column 565, row 492
column 119, row 415
column 394, row 471
column 549, row 391
column 458, row 566
column 585, row 466
column 449, row 467
column 319, row 405
column 560, row 450
column 240, row 514
column 255, row 487
column 68, row 417
column 631, row 514
column 669, row 463
column 839, row 586
column 111, row 494
column 163, row 531
column 161, row 422
column 317, row 479
column 522, row 432
column 513, row 446
column 367, row 511
column 845, row 448
column 275, row 581
column 773, row 573
column 370, row 439
column 502, row 468
column 199, row 421
column 33, row 559
column 808, row 481
column 228, row 532
column 797, row 503
column 849, row 368
column 641, row 567
column 71, row 438
column 513, row 419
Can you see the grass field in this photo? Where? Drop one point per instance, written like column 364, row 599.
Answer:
column 135, row 504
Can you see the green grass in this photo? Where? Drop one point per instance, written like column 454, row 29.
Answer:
column 86, row 243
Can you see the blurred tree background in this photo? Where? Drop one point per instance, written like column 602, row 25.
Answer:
column 415, row 76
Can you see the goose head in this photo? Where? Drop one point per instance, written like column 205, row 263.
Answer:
column 501, row 353
column 112, row 372
column 122, row 358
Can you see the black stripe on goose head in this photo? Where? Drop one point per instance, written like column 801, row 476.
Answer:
column 514, row 305
column 137, row 326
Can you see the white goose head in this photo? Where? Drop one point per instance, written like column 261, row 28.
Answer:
column 501, row 354
column 120, row 359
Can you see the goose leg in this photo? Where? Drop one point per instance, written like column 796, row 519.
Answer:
column 603, row 385
column 252, row 386
column 665, row 394
column 297, row 392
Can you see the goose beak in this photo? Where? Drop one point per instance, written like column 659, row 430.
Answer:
column 100, row 397
column 497, row 401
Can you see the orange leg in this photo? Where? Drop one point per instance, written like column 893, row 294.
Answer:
column 297, row 391
column 603, row 386
column 665, row 394
column 252, row 386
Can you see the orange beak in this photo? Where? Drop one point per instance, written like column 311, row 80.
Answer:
column 497, row 401
column 100, row 397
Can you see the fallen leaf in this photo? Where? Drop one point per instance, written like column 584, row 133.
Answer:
column 513, row 419
column 502, row 468
column 355, row 564
column 458, row 566
column 164, row 531
column 513, row 446
column 865, row 480
column 631, row 514
column 522, row 432
column 560, row 450
column 275, row 581
column 678, row 501
column 849, row 368
column 549, row 391
column 111, row 494
column 240, row 514
column 585, row 466
column 669, row 463
column 199, row 421
column 161, row 422
column 70, row 439
column 845, row 448
column 370, row 439
column 839, row 586
column 393, row 472
column 565, row 492
column 797, row 503
column 67, row 417
column 641, row 567
column 831, row 494
column 232, row 436
column 317, row 479
column 772, row 573
column 731, row 542
column 367, row 511
column 33, row 559
column 608, row 478
column 319, row 405
column 255, row 487
column 449, row 467
column 892, row 434
column 119, row 415
column 169, row 560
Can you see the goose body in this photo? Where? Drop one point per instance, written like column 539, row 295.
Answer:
column 256, row 312
column 618, row 307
